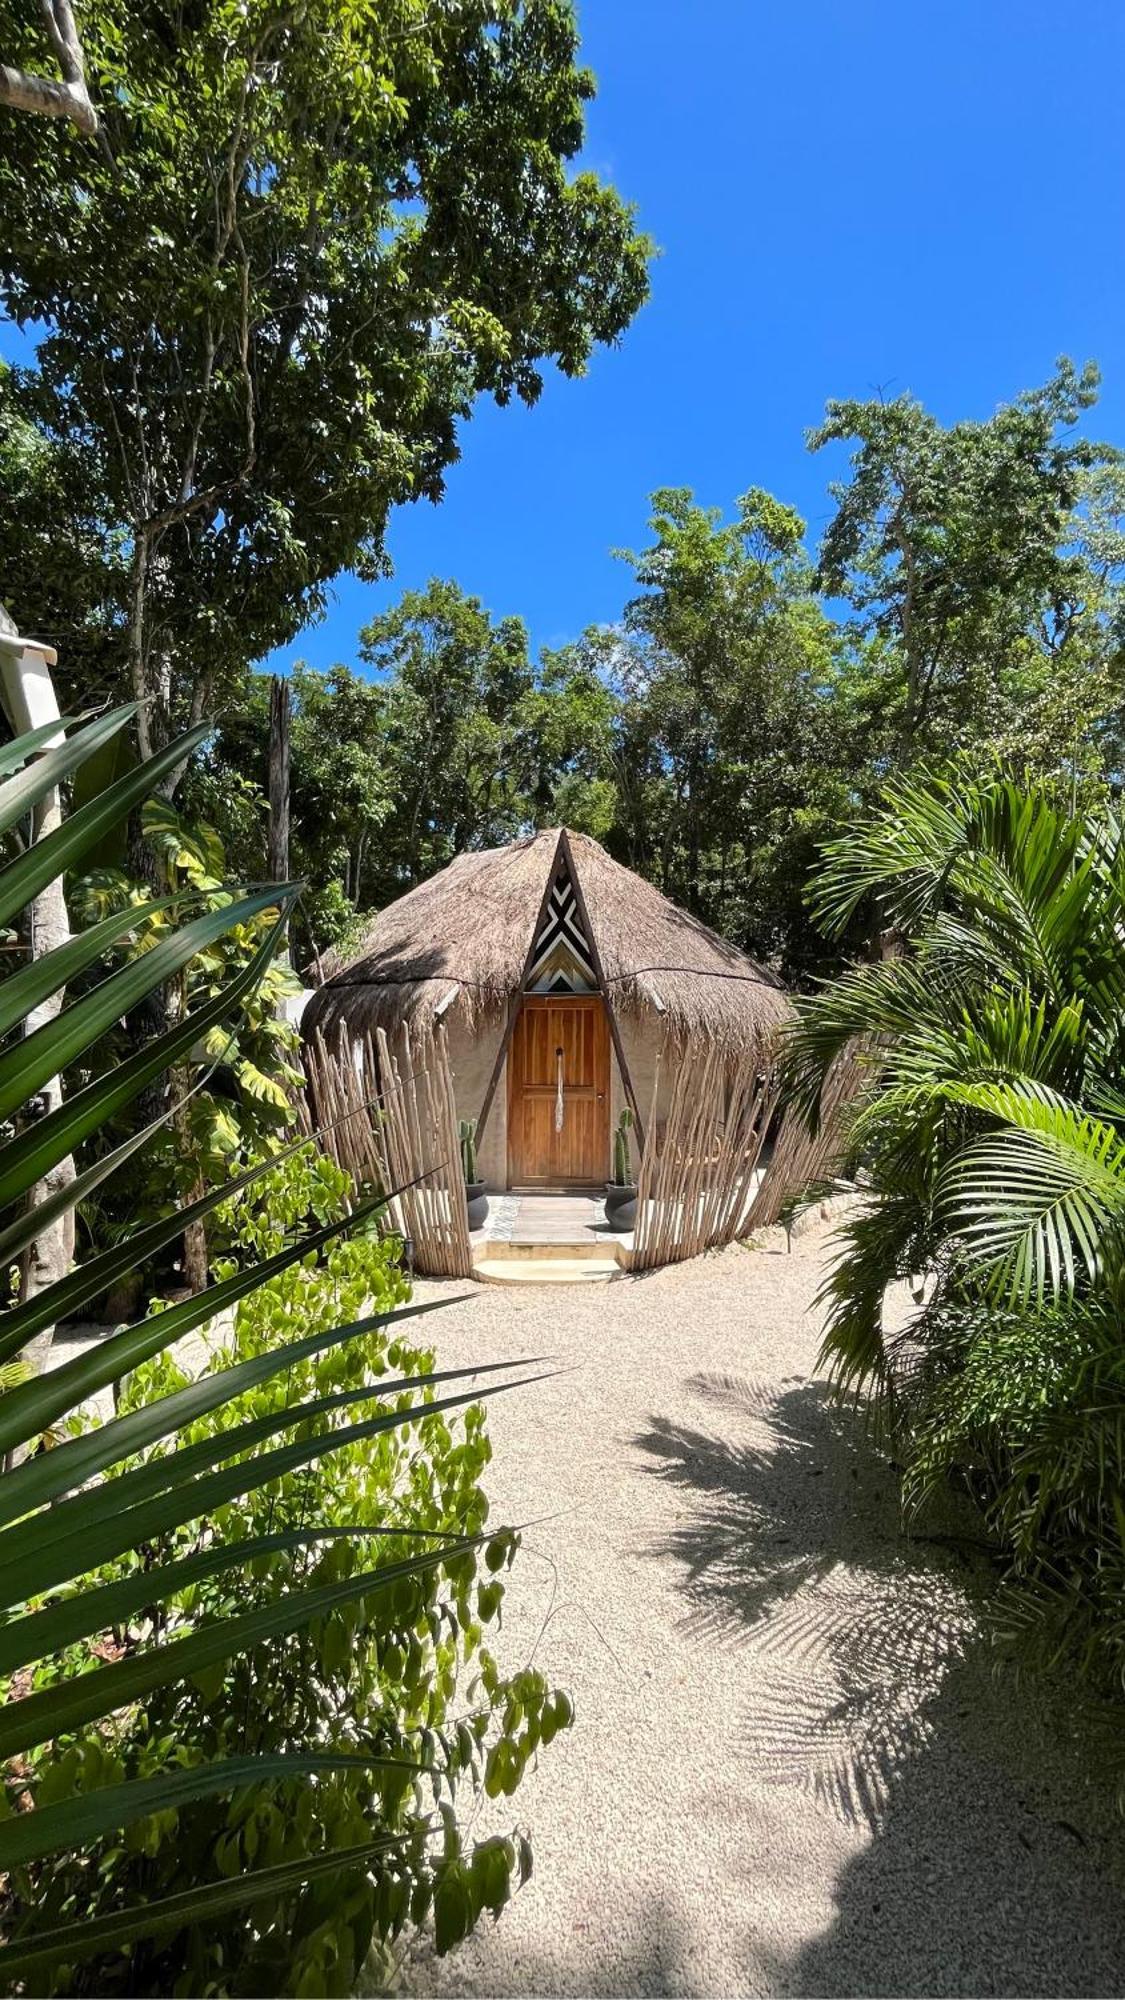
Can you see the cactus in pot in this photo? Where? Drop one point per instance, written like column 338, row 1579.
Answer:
column 475, row 1196
column 622, row 1165
column 621, row 1193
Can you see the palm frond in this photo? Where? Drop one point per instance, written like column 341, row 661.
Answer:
column 1032, row 1204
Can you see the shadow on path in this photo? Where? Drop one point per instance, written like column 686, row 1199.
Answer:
column 990, row 1864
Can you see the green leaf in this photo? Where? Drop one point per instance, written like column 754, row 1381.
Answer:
column 1034, row 1203
column 36, row 981
column 26, row 1159
column 453, row 1909
column 51, row 1048
column 41, row 1633
column 83, row 1819
column 97, row 1525
column 64, row 1299
column 47, row 773
column 68, row 1705
column 73, row 1942
column 26, row 1227
column 22, row 880
column 14, row 755
column 26, row 1412
column 71, row 1464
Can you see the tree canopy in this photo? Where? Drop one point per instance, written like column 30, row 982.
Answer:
column 303, row 242
column 966, row 602
column 966, row 550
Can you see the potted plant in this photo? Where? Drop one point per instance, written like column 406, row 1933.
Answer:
column 475, row 1196
column 621, row 1191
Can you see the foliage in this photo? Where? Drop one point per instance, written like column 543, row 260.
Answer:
column 304, row 242
column 68, row 1512
column 702, row 743
column 731, row 753
column 455, row 685
column 963, row 548
column 992, row 1135
column 467, row 1132
column 456, row 743
column 743, row 703
column 246, row 1106
column 341, row 795
column 403, row 1675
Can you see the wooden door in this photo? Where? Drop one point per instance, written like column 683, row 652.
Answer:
column 565, row 1033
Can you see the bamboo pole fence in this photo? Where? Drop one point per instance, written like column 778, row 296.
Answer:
column 697, row 1177
column 802, row 1157
column 387, row 1115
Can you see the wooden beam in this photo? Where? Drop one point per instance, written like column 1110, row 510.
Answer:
column 567, row 852
column 515, row 1004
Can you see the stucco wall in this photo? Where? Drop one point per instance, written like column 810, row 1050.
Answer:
column 641, row 1037
column 471, row 1057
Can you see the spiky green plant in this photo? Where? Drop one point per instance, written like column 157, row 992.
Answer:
column 468, row 1135
column 60, row 1516
column 622, row 1164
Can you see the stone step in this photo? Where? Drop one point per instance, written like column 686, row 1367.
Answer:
column 544, row 1269
column 494, row 1247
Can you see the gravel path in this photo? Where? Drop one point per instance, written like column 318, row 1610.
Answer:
column 794, row 1768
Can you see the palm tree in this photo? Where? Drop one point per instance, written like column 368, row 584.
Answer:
column 991, row 1119
column 990, row 1125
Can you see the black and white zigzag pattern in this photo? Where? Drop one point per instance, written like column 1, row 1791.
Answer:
column 562, row 940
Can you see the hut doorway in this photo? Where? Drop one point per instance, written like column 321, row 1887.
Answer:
column 558, row 1092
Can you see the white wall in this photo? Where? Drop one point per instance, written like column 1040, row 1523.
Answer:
column 471, row 1056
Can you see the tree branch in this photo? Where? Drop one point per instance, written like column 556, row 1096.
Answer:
column 69, row 99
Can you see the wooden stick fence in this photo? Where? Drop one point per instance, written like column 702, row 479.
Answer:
column 800, row 1157
column 407, row 1140
column 697, row 1181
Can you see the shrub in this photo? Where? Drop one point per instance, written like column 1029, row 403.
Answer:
column 1027, row 1409
column 402, row 1675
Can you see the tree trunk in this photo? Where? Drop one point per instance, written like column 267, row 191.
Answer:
column 23, row 91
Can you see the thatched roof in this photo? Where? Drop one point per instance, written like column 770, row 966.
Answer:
column 462, row 939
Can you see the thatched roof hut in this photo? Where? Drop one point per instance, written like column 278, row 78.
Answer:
column 549, row 926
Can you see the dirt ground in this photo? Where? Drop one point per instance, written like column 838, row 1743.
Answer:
column 795, row 1767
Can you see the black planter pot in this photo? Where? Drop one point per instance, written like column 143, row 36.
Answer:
column 620, row 1204
column 476, row 1201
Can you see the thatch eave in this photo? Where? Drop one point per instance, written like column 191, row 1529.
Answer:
column 458, row 945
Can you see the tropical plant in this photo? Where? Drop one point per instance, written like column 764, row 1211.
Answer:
column 992, row 1129
column 467, row 1132
column 384, row 1675
column 245, row 1106
column 62, row 1516
column 622, row 1165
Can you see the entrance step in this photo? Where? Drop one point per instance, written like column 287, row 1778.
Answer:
column 545, row 1264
